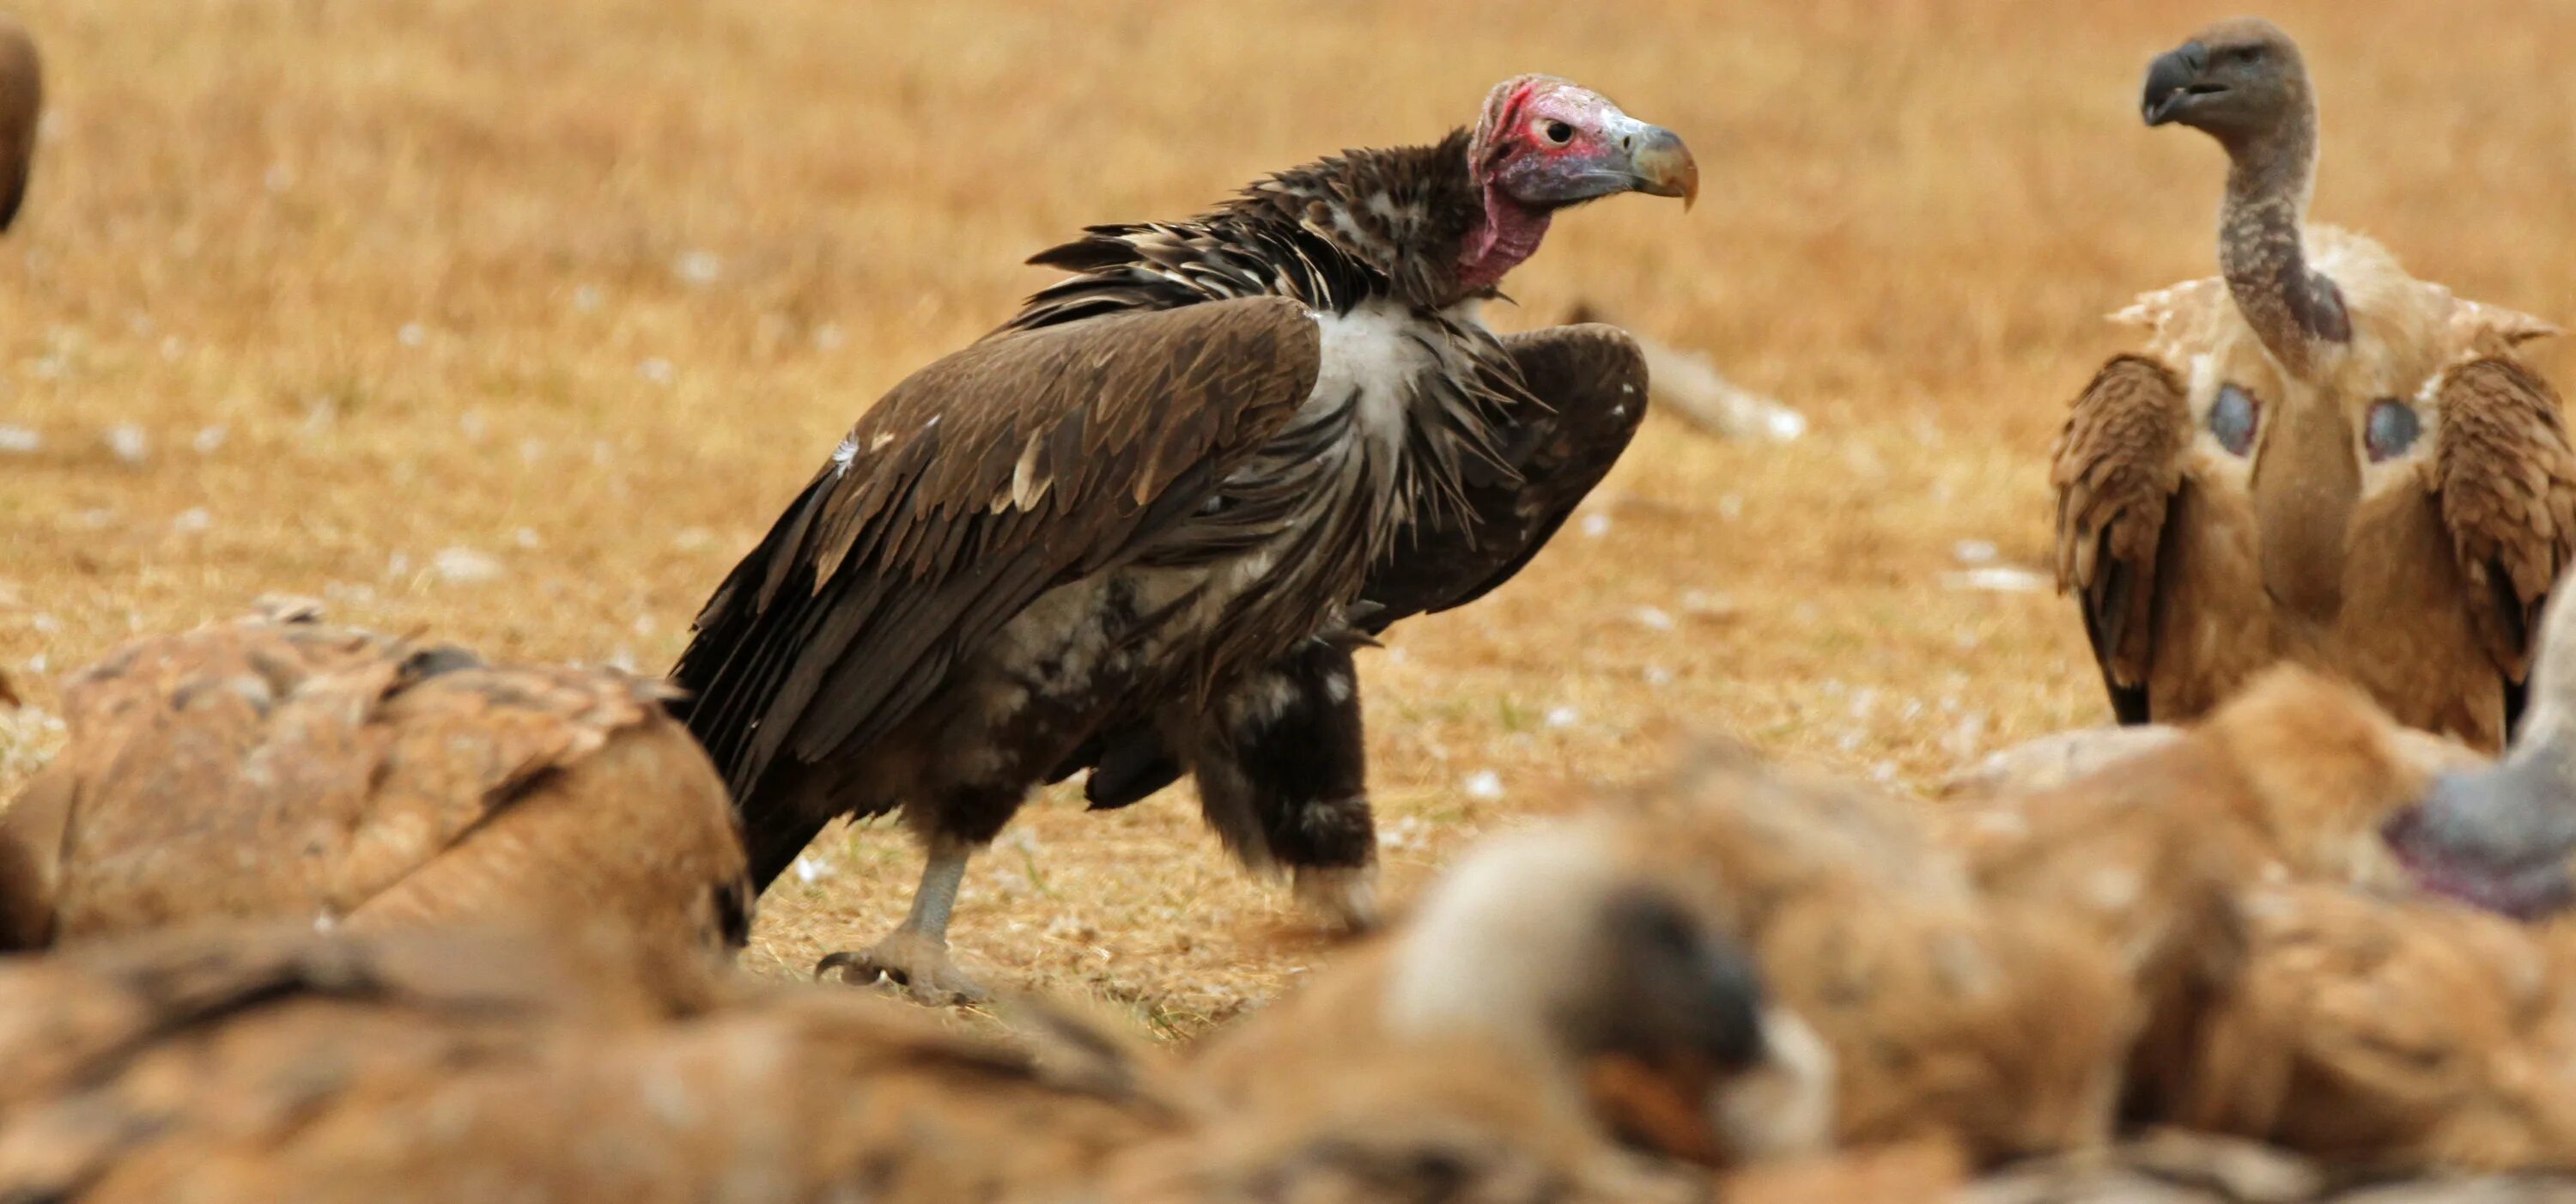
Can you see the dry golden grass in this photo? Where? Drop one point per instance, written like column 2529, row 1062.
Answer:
column 587, row 287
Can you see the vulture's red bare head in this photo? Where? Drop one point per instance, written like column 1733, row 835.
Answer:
column 1545, row 143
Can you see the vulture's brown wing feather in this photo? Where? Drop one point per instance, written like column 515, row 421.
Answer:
column 155, row 1056
column 274, row 770
column 2507, row 481
column 1021, row 463
column 22, row 101
column 281, row 1065
column 1587, row 387
column 2114, row 470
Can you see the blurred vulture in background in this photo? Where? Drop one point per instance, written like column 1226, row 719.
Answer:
column 22, row 105
column 2317, row 459
column 1139, row 528
column 278, row 767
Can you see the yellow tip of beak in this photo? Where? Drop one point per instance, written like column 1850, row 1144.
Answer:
column 1664, row 167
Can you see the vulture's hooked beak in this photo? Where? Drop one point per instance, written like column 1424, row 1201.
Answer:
column 2173, row 82
column 1662, row 166
column 2503, row 839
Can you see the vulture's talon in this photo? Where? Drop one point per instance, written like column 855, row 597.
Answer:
column 909, row 964
column 1341, row 897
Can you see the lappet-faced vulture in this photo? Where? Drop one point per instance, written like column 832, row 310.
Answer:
column 1141, row 525
column 2317, row 459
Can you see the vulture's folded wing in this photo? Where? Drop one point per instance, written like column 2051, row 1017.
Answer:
column 281, row 768
column 2507, row 481
column 1024, row 462
column 1587, row 387
column 2114, row 471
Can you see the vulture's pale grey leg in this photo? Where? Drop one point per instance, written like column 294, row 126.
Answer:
column 937, row 898
column 915, row 955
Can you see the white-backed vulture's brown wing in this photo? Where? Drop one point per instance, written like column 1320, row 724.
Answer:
column 2507, row 481
column 1589, row 386
column 270, row 769
column 2114, row 470
column 1026, row 461
column 22, row 103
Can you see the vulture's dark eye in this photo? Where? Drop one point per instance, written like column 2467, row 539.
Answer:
column 1557, row 133
column 2233, row 418
column 2393, row 427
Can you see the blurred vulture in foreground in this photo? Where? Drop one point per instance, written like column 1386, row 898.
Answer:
column 1561, row 1024
column 2504, row 837
column 2297, row 989
column 277, row 767
column 1139, row 528
column 1556, row 989
column 468, row 1064
column 1995, row 1029
column 22, row 105
column 2317, row 459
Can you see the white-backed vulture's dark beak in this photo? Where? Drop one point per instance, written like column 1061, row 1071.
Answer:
column 2173, row 82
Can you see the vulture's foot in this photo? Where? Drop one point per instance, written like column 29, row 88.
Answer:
column 1341, row 896
column 914, row 962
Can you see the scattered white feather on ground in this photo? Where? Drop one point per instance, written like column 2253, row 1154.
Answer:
column 129, row 443
column 1997, row 579
column 464, row 566
column 699, row 268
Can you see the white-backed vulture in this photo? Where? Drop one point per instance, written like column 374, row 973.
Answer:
column 2317, row 458
column 278, row 767
column 22, row 106
column 1139, row 527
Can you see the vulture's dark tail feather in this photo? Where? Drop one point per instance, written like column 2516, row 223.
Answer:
column 730, row 676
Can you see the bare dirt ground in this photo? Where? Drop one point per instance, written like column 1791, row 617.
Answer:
column 518, row 322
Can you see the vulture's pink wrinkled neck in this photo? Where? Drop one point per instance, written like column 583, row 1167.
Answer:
column 1509, row 234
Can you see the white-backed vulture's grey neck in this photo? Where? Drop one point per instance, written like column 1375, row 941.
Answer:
column 2261, row 248
column 2243, row 83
